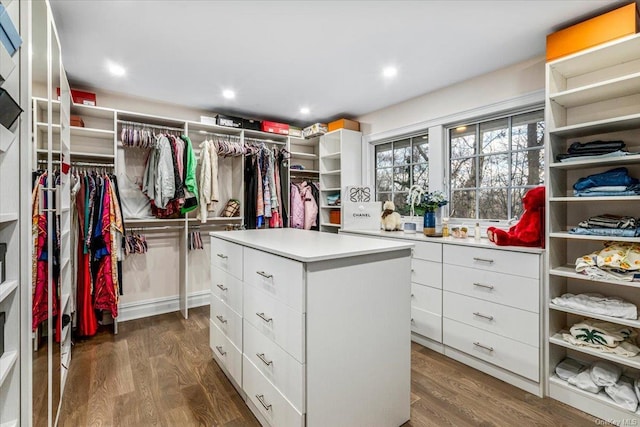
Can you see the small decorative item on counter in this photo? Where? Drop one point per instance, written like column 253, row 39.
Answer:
column 529, row 231
column 445, row 227
column 476, row 232
column 430, row 202
column 409, row 227
column 390, row 219
column 459, row 232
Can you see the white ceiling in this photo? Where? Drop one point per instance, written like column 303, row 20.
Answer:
column 281, row 55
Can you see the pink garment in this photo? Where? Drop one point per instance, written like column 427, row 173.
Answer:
column 310, row 206
column 296, row 216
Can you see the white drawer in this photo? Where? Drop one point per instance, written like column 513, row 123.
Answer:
column 280, row 277
column 282, row 370
column 426, row 273
column 264, row 396
column 426, row 298
column 506, row 321
column 426, row 324
column 502, row 261
column 227, row 320
column 428, row 251
column 514, row 291
column 227, row 256
column 505, row 353
column 227, row 288
column 275, row 320
column 225, row 352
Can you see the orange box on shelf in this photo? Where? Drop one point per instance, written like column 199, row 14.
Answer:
column 334, row 216
column 344, row 124
column 76, row 121
column 620, row 22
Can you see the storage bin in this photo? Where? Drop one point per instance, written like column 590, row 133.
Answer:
column 9, row 35
column 76, row 121
column 315, row 129
column 251, row 124
column 228, row 121
column 334, row 216
column 344, row 124
column 295, row 132
column 81, row 97
column 609, row 26
column 275, row 127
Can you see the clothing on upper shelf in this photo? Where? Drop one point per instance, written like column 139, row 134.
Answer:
column 567, row 158
column 614, row 182
column 609, row 221
column 603, row 336
column 617, row 261
column 598, row 304
column 593, row 148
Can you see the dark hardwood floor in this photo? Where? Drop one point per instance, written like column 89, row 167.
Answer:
column 159, row 372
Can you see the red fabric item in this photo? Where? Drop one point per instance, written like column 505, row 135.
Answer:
column 87, row 321
column 105, row 295
column 529, row 231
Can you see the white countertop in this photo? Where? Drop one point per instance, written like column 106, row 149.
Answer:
column 309, row 246
column 419, row 237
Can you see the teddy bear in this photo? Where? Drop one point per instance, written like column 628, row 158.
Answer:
column 390, row 219
column 529, row 231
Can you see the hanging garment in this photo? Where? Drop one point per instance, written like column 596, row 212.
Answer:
column 282, row 169
column 165, row 181
column 86, row 321
column 215, row 189
column 310, row 206
column 250, row 191
column 190, row 183
column 296, row 219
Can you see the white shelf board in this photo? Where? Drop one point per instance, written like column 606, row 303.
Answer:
column 569, row 236
column 569, row 271
column 299, row 155
column 601, row 91
column 628, row 322
column 91, row 155
column 328, row 224
column 333, row 172
column 330, row 207
column 196, row 127
column 631, row 121
column 8, row 217
column 82, row 132
column 303, row 171
column 92, row 111
column 13, row 423
column 595, row 199
column 633, row 362
column 6, row 288
column 43, row 127
column 266, row 136
column 335, row 155
column 7, row 361
column 581, row 164
column 330, row 189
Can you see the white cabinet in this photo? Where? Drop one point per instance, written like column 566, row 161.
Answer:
column 591, row 95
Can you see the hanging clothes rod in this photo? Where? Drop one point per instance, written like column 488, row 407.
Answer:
column 86, row 164
column 125, row 122
column 154, row 228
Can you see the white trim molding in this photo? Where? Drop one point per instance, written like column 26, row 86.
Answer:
column 155, row 306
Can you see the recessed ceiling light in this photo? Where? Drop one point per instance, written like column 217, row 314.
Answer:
column 228, row 94
column 389, row 72
column 116, row 69
column 305, row 110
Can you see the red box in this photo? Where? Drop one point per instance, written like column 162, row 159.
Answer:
column 81, row 97
column 274, row 127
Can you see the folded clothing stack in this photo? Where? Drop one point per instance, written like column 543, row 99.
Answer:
column 598, row 304
column 614, row 182
column 617, row 261
column 579, row 150
column 604, row 337
column 608, row 225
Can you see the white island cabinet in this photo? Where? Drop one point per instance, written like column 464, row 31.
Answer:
column 313, row 328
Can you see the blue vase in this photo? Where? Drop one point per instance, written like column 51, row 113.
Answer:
column 429, row 224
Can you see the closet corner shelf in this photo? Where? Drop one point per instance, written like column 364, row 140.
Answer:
column 569, row 271
column 152, row 221
column 330, row 207
column 330, row 189
column 8, row 217
column 329, row 224
column 333, row 172
column 299, row 155
column 581, row 164
column 7, row 361
column 599, row 126
column 633, row 362
column 92, row 111
column 43, row 127
column 617, row 320
column 6, row 288
column 594, row 199
column 569, row 236
column 335, row 155
column 92, row 133
column 304, row 171
column 609, row 89
column 266, row 136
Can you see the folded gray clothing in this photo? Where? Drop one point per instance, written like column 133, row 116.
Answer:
column 584, row 382
column 623, row 394
column 609, row 221
column 579, row 147
column 605, row 373
column 569, row 368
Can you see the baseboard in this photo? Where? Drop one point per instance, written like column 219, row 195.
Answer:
column 153, row 307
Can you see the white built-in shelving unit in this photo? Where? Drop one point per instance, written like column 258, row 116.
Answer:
column 590, row 95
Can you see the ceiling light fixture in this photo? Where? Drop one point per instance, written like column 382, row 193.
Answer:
column 305, row 110
column 116, row 69
column 461, row 128
column 228, row 94
column 390, row 72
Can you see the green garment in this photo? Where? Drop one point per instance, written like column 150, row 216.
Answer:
column 190, row 183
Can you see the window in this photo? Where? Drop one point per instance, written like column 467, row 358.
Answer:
column 399, row 165
column 493, row 163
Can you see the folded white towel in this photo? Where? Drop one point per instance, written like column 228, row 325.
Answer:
column 605, row 373
column 598, row 304
column 569, row 368
column 623, row 394
column 583, row 381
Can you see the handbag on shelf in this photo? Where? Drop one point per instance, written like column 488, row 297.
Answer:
column 232, row 208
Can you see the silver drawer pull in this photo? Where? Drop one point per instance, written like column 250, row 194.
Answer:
column 222, row 287
column 221, row 319
column 219, row 348
column 477, row 344
column 265, row 361
column 263, row 317
column 260, row 398
column 223, row 256
column 480, row 285
column 263, row 274
column 489, row 261
column 484, row 316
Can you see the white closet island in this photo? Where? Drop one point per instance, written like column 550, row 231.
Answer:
column 313, row 328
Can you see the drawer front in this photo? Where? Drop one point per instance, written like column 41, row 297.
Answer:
column 503, row 352
column 275, row 320
column 506, row 321
column 227, row 320
column 271, row 404
column 225, row 352
column 501, row 261
column 426, row 324
column 227, row 256
column 282, row 370
column 227, row 288
column 428, row 251
column 426, row 273
column 280, row 277
column 426, row 298
column 514, row 291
